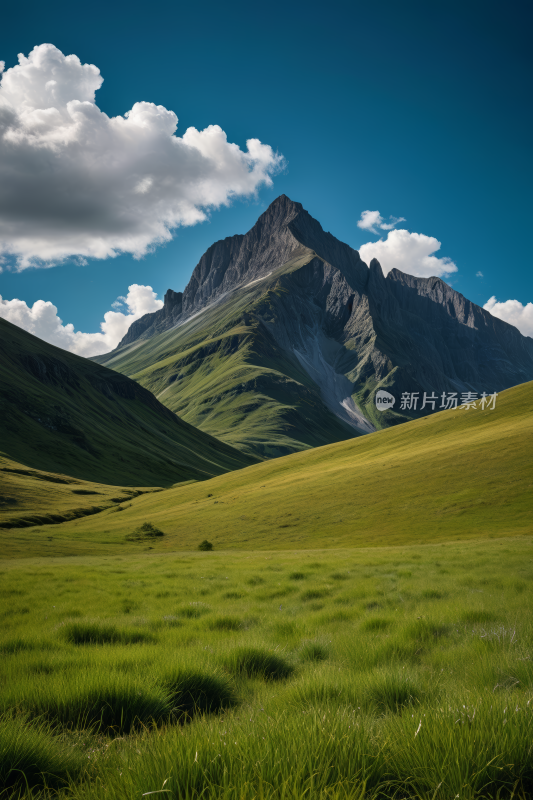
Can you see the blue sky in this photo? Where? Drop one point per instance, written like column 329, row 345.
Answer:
column 420, row 110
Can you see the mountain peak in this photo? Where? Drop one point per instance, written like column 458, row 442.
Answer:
column 283, row 228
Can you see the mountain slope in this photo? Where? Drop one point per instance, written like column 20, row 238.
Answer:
column 63, row 414
column 224, row 371
column 454, row 475
column 283, row 337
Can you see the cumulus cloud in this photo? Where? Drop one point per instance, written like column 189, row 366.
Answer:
column 479, row 274
column 514, row 312
column 408, row 252
column 372, row 220
column 43, row 321
column 75, row 182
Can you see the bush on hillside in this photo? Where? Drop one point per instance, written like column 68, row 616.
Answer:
column 144, row 531
column 205, row 545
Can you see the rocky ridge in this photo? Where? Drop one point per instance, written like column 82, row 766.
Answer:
column 316, row 306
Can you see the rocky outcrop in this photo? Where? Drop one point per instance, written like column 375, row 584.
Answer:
column 150, row 324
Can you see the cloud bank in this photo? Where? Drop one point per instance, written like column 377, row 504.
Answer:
column 408, row 252
column 75, row 182
column 514, row 312
column 43, row 321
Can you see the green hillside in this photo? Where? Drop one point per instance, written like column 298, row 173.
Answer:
column 31, row 497
column 223, row 372
column 454, row 475
column 60, row 413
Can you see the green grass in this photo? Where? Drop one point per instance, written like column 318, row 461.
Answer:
column 255, row 662
column 60, row 413
column 454, row 475
column 32, row 757
column 373, row 649
column 33, row 497
column 378, row 689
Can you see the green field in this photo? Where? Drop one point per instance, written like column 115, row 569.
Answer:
column 384, row 672
column 362, row 628
column 454, row 475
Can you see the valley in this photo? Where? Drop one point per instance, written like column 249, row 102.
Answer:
column 226, row 573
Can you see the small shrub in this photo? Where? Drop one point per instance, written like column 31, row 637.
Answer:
column 205, row 545
column 253, row 662
column 143, row 532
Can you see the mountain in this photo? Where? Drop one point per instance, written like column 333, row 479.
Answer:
column 452, row 475
column 60, row 413
column 283, row 336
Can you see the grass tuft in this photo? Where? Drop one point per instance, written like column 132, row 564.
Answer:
column 96, row 633
column 254, row 662
column 297, row 576
column 472, row 617
column 313, row 651
column 390, row 691
column 31, row 757
column 376, row 624
column 100, row 701
column 194, row 692
column 226, row 623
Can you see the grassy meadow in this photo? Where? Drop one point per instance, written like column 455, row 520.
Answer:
column 362, row 628
column 451, row 476
column 355, row 673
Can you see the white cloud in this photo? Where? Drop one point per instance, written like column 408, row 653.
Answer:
column 43, row 321
column 408, row 252
column 75, row 182
column 479, row 274
column 370, row 220
column 514, row 312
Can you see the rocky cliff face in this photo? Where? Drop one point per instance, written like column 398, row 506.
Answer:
column 233, row 262
column 316, row 308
